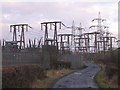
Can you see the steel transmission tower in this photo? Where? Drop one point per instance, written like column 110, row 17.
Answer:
column 99, row 26
column 76, row 32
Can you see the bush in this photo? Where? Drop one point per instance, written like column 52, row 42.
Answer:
column 21, row 76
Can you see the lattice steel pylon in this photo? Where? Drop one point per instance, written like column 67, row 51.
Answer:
column 76, row 32
column 73, row 38
column 99, row 26
column 100, row 29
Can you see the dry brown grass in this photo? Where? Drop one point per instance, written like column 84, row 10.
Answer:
column 21, row 76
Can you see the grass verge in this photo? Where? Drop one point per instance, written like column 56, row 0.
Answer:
column 101, row 80
column 52, row 76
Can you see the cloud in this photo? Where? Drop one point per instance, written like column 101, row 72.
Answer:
column 34, row 13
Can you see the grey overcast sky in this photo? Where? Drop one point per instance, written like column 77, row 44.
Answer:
column 34, row 12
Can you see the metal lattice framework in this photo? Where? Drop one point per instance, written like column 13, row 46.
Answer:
column 19, row 28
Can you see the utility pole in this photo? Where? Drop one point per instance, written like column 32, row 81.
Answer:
column 30, row 43
column 40, row 42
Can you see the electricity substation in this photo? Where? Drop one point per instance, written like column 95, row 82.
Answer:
column 63, row 50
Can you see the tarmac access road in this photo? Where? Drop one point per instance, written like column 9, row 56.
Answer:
column 80, row 79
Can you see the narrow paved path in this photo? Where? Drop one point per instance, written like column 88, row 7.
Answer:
column 80, row 79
